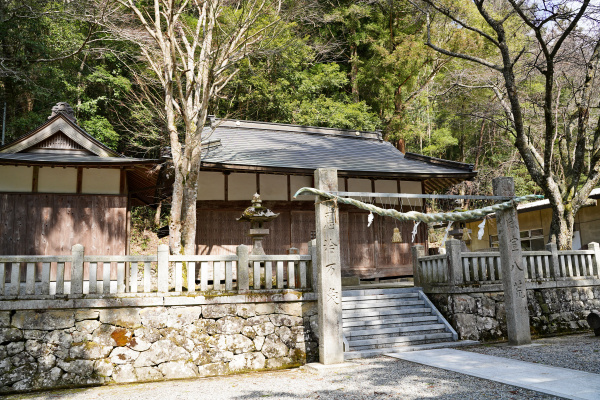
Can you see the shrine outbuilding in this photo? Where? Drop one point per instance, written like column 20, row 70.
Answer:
column 59, row 187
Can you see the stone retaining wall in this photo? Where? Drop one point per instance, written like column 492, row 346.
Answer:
column 75, row 347
column 481, row 315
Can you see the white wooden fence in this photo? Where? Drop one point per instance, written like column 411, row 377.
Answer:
column 480, row 268
column 78, row 274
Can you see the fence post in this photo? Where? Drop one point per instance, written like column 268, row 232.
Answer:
column 418, row 251
column 454, row 261
column 77, row 269
column 163, row 268
column 554, row 264
column 243, row 280
column 596, row 248
column 312, row 250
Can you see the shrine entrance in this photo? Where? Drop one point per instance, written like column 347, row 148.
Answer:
column 329, row 288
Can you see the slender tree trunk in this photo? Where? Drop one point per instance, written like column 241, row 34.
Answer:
column 479, row 145
column 354, row 71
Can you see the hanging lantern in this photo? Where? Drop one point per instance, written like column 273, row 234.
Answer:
column 396, row 237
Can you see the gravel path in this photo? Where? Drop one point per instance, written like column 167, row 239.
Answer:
column 376, row 378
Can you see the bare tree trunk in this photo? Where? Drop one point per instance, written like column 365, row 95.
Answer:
column 561, row 227
column 176, row 43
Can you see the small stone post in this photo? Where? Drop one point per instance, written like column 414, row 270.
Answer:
column 77, row 269
column 162, row 275
column 329, row 287
column 417, row 251
column 314, row 271
column 513, row 275
column 596, row 248
column 243, row 279
column 454, row 262
column 554, row 264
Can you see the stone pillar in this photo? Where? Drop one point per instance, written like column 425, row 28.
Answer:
column 329, row 286
column 454, row 262
column 77, row 269
column 417, row 251
column 243, row 278
column 513, row 274
column 162, row 268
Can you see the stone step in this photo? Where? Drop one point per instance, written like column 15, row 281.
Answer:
column 388, row 322
column 371, row 292
column 396, row 340
column 380, row 297
column 384, row 312
column 381, row 304
column 351, row 355
column 366, row 320
column 396, row 334
column 355, row 334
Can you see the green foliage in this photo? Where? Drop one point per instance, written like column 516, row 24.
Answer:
column 286, row 85
column 100, row 128
column 356, row 65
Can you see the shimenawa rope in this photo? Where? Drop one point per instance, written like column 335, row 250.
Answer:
column 418, row 216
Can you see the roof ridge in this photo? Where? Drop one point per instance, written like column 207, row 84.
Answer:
column 315, row 130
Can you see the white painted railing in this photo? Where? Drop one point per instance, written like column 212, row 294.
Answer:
column 481, row 268
column 78, row 274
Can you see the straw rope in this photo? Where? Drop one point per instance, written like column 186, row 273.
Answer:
column 418, row 216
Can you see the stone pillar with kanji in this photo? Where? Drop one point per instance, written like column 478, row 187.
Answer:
column 513, row 274
column 329, row 287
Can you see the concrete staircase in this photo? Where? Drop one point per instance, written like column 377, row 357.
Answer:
column 378, row 321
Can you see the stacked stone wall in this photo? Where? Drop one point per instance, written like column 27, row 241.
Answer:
column 481, row 315
column 42, row 349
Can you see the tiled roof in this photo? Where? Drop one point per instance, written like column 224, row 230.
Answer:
column 244, row 143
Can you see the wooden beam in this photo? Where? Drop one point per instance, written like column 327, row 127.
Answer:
column 226, row 185
column 289, row 189
column 35, row 180
column 79, row 179
column 123, row 182
column 257, row 183
column 352, row 174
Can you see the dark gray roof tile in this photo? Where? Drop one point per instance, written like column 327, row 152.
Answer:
column 266, row 145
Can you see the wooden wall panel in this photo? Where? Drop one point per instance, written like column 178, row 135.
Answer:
column 218, row 232
column 345, row 259
column 279, row 240
column 365, row 251
column 302, row 225
column 19, row 228
column 393, row 259
column 6, row 224
column 50, row 224
column 360, row 246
